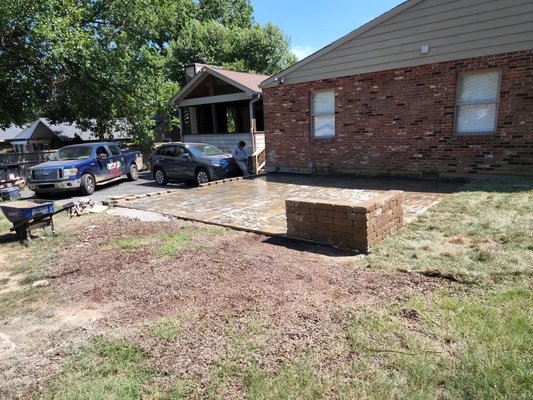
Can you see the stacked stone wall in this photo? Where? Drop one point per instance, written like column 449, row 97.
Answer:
column 357, row 226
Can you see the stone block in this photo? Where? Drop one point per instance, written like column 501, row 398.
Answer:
column 337, row 214
column 324, row 206
column 341, row 222
column 324, row 220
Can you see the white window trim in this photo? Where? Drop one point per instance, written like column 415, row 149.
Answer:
column 457, row 104
column 313, row 136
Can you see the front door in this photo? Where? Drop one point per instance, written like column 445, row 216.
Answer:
column 102, row 159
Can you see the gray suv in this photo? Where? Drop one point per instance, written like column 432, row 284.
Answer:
column 191, row 162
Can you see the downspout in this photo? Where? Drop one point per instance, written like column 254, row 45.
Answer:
column 255, row 98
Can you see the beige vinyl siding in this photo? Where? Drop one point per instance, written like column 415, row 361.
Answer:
column 453, row 30
column 259, row 141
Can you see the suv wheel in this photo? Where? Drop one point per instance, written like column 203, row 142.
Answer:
column 160, row 177
column 202, row 176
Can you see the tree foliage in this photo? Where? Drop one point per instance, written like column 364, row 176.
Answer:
column 254, row 49
column 88, row 61
column 100, row 63
column 231, row 13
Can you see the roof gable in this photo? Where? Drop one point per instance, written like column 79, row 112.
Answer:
column 37, row 130
column 244, row 82
column 452, row 30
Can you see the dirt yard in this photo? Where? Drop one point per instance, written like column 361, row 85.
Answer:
column 121, row 278
column 115, row 308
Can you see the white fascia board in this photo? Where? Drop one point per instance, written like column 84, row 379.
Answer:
column 214, row 99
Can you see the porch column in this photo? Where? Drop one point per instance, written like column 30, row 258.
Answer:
column 255, row 99
column 213, row 107
column 194, row 120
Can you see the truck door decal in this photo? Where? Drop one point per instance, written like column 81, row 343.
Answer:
column 114, row 168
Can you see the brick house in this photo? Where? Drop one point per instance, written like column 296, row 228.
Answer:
column 222, row 107
column 430, row 88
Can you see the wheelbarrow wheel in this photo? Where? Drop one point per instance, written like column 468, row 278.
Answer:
column 87, row 184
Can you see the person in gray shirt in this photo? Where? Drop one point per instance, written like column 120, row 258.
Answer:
column 240, row 156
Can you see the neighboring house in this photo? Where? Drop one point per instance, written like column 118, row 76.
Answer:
column 42, row 135
column 37, row 137
column 222, row 107
column 6, row 136
column 430, row 88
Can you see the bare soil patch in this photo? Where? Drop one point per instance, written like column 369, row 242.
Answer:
column 226, row 288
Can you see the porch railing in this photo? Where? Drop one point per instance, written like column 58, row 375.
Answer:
column 258, row 160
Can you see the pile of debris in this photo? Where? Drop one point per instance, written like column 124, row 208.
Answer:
column 85, row 207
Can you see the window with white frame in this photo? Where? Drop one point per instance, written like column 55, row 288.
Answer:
column 323, row 118
column 477, row 102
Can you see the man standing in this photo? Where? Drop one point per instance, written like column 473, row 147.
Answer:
column 240, row 156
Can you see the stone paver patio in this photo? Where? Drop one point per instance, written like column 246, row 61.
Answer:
column 258, row 204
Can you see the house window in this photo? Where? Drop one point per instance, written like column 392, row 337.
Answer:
column 323, row 111
column 477, row 103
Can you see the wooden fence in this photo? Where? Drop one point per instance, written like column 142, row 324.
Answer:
column 25, row 160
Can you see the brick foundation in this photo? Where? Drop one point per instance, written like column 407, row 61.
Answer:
column 358, row 226
column 400, row 122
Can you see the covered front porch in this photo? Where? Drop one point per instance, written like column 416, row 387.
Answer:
column 222, row 108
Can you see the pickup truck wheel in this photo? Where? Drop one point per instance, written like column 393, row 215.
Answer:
column 133, row 172
column 87, row 184
column 202, row 176
column 160, row 177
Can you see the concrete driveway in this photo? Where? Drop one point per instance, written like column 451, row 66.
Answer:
column 258, row 204
column 145, row 184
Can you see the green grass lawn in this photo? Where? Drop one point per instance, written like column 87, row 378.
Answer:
column 481, row 234
column 472, row 339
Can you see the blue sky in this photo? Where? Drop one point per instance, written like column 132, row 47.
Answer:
column 313, row 24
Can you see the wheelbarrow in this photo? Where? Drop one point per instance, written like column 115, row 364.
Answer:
column 26, row 215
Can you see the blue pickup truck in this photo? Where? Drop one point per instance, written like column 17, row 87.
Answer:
column 83, row 166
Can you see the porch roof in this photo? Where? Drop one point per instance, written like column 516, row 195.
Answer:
column 247, row 83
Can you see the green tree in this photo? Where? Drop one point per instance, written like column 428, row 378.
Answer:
column 259, row 49
column 24, row 76
column 114, row 64
column 94, row 62
column 231, row 13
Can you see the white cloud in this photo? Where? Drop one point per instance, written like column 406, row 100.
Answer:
column 302, row 51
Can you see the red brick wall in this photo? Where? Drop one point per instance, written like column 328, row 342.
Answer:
column 401, row 122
